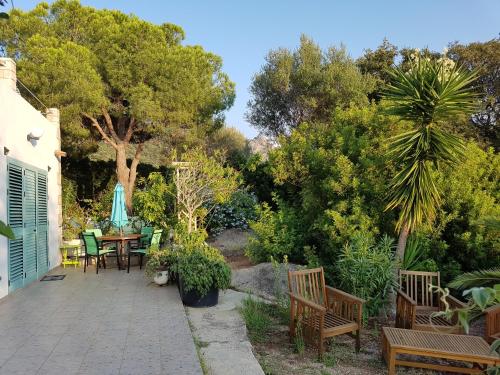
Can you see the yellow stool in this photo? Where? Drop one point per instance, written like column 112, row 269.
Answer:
column 68, row 261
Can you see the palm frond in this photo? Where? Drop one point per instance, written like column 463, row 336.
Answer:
column 480, row 278
column 430, row 92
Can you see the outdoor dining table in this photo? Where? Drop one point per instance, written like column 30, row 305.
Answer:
column 121, row 240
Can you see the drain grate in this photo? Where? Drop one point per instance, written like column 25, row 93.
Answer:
column 52, row 277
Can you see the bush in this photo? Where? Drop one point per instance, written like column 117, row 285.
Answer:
column 154, row 201
column 275, row 234
column 235, row 213
column 367, row 270
column 203, row 268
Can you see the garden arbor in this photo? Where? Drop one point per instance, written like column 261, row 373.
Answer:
column 201, row 182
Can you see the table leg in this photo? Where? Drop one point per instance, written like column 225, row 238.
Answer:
column 392, row 360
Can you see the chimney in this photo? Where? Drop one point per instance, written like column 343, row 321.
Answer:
column 8, row 73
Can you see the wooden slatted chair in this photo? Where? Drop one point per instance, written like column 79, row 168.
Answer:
column 492, row 315
column 318, row 311
column 416, row 303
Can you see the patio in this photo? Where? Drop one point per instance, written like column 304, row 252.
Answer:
column 111, row 323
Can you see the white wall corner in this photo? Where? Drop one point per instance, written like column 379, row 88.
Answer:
column 8, row 75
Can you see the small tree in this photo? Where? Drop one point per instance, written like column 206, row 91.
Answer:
column 201, row 182
column 428, row 94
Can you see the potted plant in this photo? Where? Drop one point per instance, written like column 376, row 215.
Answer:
column 159, row 263
column 202, row 271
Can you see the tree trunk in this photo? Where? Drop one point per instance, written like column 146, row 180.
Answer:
column 123, row 175
column 403, row 237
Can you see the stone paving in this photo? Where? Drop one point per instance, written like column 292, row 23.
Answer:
column 223, row 337
column 106, row 324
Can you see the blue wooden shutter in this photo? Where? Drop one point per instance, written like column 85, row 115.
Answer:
column 42, row 224
column 29, row 216
column 15, row 220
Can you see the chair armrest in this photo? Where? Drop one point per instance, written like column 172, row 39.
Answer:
column 455, row 303
column 345, row 305
column 407, row 298
column 310, row 304
column 495, row 309
column 341, row 295
column 406, row 311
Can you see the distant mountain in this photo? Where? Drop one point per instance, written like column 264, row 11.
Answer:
column 261, row 145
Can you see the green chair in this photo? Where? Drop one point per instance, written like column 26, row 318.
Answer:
column 92, row 249
column 147, row 233
column 155, row 240
column 98, row 233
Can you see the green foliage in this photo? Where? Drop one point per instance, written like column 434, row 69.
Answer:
column 237, row 212
column 275, row 234
column 6, row 231
column 201, row 182
column 474, row 279
column 417, row 254
column 154, row 200
column 203, row 268
column 74, row 215
column 307, row 84
column 471, row 198
column 257, row 320
column 428, row 93
column 99, row 61
column 232, row 143
column 485, row 59
column 376, row 63
column 367, row 270
column 333, row 177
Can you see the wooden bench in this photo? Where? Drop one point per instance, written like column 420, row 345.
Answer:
column 468, row 349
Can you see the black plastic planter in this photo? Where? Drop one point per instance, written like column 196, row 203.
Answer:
column 193, row 299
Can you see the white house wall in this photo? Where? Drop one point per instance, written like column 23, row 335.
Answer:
column 17, row 119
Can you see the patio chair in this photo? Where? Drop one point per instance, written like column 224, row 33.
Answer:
column 318, row 311
column 98, row 233
column 155, row 240
column 145, row 240
column 92, row 249
column 416, row 303
column 492, row 326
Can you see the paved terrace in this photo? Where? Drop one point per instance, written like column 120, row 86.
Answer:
column 111, row 323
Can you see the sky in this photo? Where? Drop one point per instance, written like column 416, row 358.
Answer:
column 243, row 32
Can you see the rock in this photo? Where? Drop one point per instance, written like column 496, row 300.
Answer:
column 231, row 242
column 262, row 280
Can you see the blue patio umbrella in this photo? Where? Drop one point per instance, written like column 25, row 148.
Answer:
column 119, row 216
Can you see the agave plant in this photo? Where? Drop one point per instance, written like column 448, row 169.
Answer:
column 428, row 94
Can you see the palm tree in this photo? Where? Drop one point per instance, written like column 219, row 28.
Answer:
column 428, row 94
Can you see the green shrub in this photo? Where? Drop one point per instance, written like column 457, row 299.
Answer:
column 235, row 213
column 367, row 270
column 154, row 201
column 416, row 257
column 202, row 268
column 276, row 234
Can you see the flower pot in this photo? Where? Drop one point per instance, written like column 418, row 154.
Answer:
column 161, row 277
column 194, row 299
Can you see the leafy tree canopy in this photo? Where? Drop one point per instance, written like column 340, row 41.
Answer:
column 126, row 79
column 304, row 85
column 485, row 59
